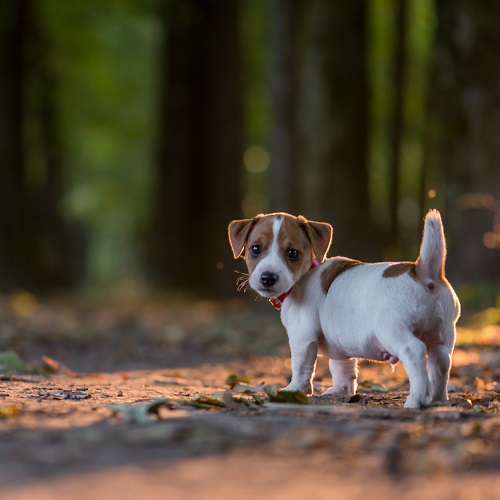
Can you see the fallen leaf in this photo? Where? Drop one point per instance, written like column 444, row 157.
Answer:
column 271, row 389
column 358, row 398
column 294, row 397
column 13, row 378
column 258, row 400
column 240, row 404
column 206, row 402
column 141, row 413
column 248, row 389
column 57, row 367
column 374, row 386
column 11, row 362
column 234, row 379
column 479, row 409
column 176, row 381
column 9, row 410
column 480, row 384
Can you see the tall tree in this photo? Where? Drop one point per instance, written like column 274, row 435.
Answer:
column 396, row 132
column 199, row 159
column 337, row 126
column 33, row 248
column 287, row 18
column 15, row 258
column 463, row 150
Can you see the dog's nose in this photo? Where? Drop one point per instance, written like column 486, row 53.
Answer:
column 268, row 279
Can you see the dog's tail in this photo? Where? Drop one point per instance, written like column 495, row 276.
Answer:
column 432, row 257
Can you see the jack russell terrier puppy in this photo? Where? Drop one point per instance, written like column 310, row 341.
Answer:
column 348, row 309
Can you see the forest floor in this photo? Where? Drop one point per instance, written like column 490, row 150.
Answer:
column 172, row 401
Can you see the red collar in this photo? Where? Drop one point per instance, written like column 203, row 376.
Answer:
column 277, row 302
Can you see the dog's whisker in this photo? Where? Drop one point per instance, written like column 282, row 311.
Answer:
column 242, row 282
column 242, row 274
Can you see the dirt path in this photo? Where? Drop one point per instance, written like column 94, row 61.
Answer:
column 68, row 441
column 141, row 408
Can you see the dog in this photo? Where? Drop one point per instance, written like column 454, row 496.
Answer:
column 347, row 309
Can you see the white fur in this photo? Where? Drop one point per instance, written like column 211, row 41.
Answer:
column 366, row 315
column 433, row 248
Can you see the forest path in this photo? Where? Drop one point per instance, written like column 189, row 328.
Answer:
column 60, row 438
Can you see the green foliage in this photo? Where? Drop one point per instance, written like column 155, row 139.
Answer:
column 106, row 58
column 419, row 39
column 10, row 362
column 479, row 296
column 255, row 30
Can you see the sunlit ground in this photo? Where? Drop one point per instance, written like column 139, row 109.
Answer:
column 70, row 362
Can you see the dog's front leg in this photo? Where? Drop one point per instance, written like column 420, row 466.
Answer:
column 344, row 375
column 304, row 355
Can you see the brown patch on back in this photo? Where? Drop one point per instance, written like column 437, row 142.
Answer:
column 399, row 268
column 334, row 268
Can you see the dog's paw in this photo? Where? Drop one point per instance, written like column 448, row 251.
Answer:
column 339, row 391
column 307, row 389
column 414, row 402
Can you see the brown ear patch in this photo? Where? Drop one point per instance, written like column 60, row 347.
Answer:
column 238, row 232
column 319, row 234
column 335, row 268
column 399, row 268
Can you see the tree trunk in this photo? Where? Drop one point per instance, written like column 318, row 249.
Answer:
column 56, row 253
column 397, row 123
column 464, row 147
column 337, row 124
column 285, row 82
column 200, row 147
column 33, row 251
column 15, row 258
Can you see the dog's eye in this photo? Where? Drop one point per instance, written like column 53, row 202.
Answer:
column 255, row 250
column 293, row 254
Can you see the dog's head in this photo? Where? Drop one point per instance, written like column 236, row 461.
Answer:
column 278, row 249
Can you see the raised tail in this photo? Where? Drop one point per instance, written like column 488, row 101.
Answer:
column 433, row 248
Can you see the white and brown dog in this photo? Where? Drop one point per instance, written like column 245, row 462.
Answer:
column 347, row 309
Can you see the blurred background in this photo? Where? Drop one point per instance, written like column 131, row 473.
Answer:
column 133, row 131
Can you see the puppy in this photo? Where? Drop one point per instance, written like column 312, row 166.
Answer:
column 348, row 309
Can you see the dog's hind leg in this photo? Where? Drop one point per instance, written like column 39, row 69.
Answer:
column 412, row 353
column 344, row 375
column 439, row 363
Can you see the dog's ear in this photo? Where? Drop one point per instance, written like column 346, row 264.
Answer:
column 320, row 235
column 238, row 231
